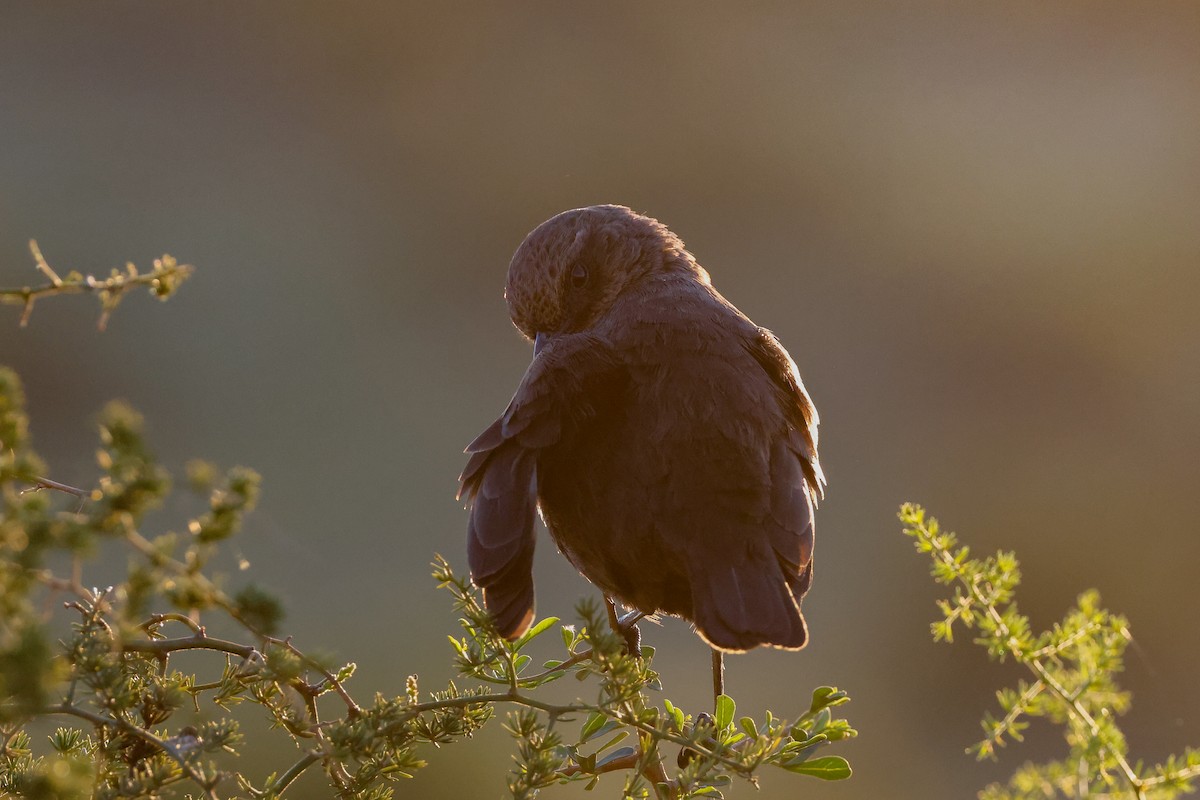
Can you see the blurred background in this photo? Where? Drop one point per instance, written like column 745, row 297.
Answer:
column 976, row 229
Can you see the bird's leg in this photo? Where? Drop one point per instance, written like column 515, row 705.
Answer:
column 686, row 754
column 611, row 605
column 718, row 670
column 625, row 626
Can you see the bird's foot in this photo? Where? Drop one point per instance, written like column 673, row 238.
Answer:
column 628, row 629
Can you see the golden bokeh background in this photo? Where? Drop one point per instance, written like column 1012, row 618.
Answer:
column 977, row 229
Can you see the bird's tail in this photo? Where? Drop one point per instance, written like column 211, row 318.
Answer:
column 739, row 607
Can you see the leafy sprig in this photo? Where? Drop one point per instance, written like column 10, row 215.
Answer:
column 1073, row 677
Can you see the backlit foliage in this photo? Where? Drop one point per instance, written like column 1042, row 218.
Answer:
column 1072, row 680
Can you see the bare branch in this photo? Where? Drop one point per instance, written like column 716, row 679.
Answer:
column 162, row 281
column 40, row 483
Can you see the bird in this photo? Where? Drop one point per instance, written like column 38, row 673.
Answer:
column 666, row 440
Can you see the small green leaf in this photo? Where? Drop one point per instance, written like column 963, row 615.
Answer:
column 676, row 715
column 826, row 696
column 595, row 722
column 725, row 709
column 536, row 630
column 827, row 768
column 749, row 727
column 620, row 735
column 621, row 752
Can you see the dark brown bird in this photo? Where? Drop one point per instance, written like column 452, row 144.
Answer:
column 667, row 440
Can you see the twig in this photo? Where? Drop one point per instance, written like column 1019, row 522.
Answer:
column 157, row 619
column 40, row 483
column 578, row 658
column 294, row 771
column 354, row 709
column 198, row 641
column 1018, row 708
column 162, row 280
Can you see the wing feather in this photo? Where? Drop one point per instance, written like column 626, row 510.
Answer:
column 751, row 595
column 500, row 477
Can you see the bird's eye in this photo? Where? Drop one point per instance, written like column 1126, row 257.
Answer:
column 579, row 275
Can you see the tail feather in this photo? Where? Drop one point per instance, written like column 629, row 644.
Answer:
column 738, row 607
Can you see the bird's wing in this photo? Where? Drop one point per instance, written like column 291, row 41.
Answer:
column 500, row 478
column 792, row 500
column 793, row 399
column 739, row 600
column 750, row 570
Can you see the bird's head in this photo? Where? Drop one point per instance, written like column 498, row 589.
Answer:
column 570, row 270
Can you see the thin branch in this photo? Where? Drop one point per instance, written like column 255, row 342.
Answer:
column 1184, row 774
column 293, row 772
column 578, row 658
column 162, row 280
column 1016, row 711
column 198, row 641
column 40, row 483
column 353, row 707
column 223, row 601
column 1060, row 647
column 52, row 581
column 158, row 619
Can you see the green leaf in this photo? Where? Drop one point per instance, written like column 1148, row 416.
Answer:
column 620, row 735
column 749, row 727
column 725, row 709
column 595, row 722
column 621, row 752
column 826, row 696
column 536, row 630
column 827, row 768
column 675, row 714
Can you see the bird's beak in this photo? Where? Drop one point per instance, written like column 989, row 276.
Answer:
column 539, row 342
